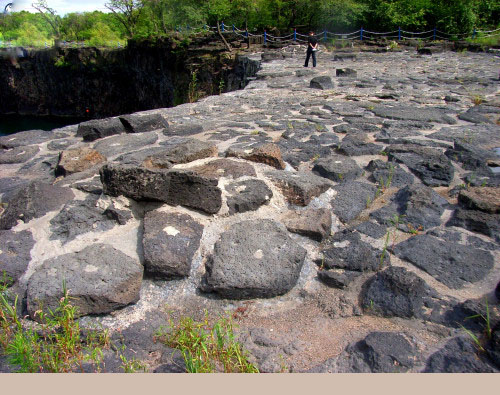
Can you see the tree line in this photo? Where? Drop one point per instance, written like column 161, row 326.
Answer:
column 156, row 18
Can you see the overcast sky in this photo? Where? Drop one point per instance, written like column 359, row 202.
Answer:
column 62, row 7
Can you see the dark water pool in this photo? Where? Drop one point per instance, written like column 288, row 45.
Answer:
column 10, row 124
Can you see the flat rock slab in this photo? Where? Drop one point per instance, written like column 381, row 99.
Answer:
column 459, row 355
column 484, row 199
column 225, row 168
column 99, row 128
column 372, row 229
column 483, row 136
column 247, row 195
column 100, row 278
column 80, row 217
column 170, row 241
column 136, row 123
column 125, row 143
column 18, row 154
column 351, row 199
column 414, row 114
column 337, row 168
column 183, row 152
column 269, row 154
column 414, row 207
column 347, row 251
column 29, row 137
column 33, row 201
column 313, row 223
column 184, row 130
column 470, row 156
column 357, row 145
column 428, row 164
column 452, row 264
column 396, row 292
column 389, row 174
column 299, row 188
column 477, row 221
column 77, row 160
column 14, row 254
column 254, row 259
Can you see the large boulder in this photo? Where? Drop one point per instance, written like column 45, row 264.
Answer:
column 254, row 259
column 99, row 128
column 322, row 82
column 170, row 241
column 100, row 279
column 33, row 201
column 452, row 264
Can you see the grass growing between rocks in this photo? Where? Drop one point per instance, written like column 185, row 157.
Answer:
column 206, row 347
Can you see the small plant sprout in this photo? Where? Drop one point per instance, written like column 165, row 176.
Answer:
column 384, row 250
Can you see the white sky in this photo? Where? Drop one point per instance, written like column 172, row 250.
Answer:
column 62, row 7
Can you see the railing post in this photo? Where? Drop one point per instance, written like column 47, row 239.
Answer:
column 265, row 36
column 474, row 33
column 361, row 34
column 222, row 26
column 399, row 33
column 434, row 36
column 246, row 33
column 294, row 34
column 234, row 29
column 324, row 35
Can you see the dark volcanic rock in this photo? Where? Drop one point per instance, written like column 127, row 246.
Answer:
column 347, row 251
column 254, row 259
column 125, row 143
column 470, row 156
column 247, row 195
column 322, row 82
column 170, row 241
column 459, row 355
column 396, row 292
column 337, row 278
column 372, row 229
column 99, row 128
column 296, row 152
column 389, row 174
column 34, row 201
column 184, row 130
column 18, row 154
column 79, row 217
column 347, row 72
column 351, row 199
column 337, row 168
column 484, row 199
column 14, row 254
column 483, row 135
column 269, row 154
column 316, row 224
column 425, row 114
column 299, row 188
column 357, row 145
column 473, row 116
column 136, row 123
column 100, row 279
column 430, row 165
column 477, row 221
column 183, row 152
column 29, row 137
column 226, row 168
column 452, row 264
column 418, row 207
column 9, row 186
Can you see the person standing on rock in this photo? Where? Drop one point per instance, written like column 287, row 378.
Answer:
column 312, row 47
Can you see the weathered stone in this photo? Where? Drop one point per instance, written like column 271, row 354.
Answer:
column 452, row 264
column 124, row 143
column 424, row 114
column 135, row 182
column 34, row 201
column 247, row 195
column 99, row 128
column 77, row 160
column 226, row 168
column 269, row 154
column 473, row 116
column 119, row 216
column 184, row 152
column 417, row 207
column 184, row 130
column 459, row 355
column 322, row 82
column 9, row 186
column 313, row 223
column 41, row 169
column 337, row 278
column 346, row 72
column 100, row 279
column 372, row 229
column 170, row 241
column 389, row 174
column 18, row 154
column 477, row 221
column 396, row 292
column 296, row 152
column 299, row 188
column 29, row 137
column 483, row 135
column 254, row 259
column 483, row 199
column 14, row 254
column 470, row 156
column 136, row 123
column 347, row 251
column 430, row 165
column 351, row 199
column 357, row 145
column 79, row 217
column 337, row 168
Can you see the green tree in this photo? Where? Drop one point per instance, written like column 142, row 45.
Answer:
column 49, row 15
column 128, row 12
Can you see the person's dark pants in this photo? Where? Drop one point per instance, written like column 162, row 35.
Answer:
column 309, row 53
